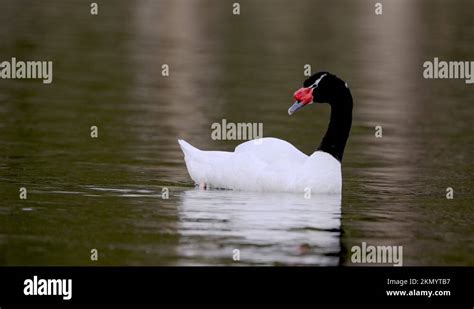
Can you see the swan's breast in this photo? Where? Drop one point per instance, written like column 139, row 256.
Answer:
column 322, row 173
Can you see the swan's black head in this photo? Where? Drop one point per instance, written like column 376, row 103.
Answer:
column 322, row 87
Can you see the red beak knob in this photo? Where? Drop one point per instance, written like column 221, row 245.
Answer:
column 304, row 95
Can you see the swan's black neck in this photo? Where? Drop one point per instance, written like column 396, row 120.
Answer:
column 334, row 141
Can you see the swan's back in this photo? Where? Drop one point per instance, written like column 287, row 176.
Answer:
column 270, row 150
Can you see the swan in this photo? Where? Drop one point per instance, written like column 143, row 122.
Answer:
column 272, row 164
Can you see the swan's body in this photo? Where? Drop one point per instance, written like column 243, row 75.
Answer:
column 268, row 165
column 271, row 164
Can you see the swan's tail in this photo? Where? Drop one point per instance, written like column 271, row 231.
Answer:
column 192, row 158
column 206, row 167
column 187, row 148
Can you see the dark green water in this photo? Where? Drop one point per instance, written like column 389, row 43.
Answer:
column 105, row 193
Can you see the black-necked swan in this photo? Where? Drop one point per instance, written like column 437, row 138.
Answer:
column 273, row 164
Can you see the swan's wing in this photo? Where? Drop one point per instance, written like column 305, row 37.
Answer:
column 272, row 150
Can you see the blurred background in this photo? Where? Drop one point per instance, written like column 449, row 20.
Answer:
column 105, row 193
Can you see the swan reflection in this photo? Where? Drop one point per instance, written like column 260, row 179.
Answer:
column 266, row 228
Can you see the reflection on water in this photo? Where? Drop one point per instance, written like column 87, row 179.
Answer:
column 106, row 193
column 266, row 228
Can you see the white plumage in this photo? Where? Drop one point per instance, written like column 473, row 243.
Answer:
column 267, row 164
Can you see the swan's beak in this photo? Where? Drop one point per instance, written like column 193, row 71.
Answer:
column 296, row 106
column 302, row 96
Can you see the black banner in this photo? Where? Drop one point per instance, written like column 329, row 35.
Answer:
column 239, row 285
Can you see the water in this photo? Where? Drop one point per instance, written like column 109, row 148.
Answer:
column 105, row 193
